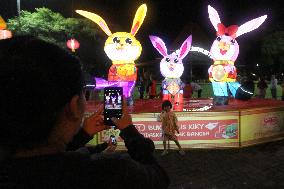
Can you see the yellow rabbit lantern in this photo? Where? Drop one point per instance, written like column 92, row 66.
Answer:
column 123, row 49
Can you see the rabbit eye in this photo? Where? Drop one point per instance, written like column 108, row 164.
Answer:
column 128, row 40
column 233, row 41
column 116, row 40
column 176, row 61
column 167, row 60
column 218, row 38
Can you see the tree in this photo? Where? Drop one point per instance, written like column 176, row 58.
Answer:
column 273, row 49
column 54, row 28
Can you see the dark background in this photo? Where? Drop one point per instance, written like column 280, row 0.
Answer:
column 173, row 21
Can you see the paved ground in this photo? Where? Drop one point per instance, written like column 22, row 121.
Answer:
column 260, row 166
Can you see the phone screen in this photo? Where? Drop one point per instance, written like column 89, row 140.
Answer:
column 112, row 104
column 113, row 140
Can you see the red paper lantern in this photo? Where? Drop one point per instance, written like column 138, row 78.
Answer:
column 73, row 44
column 5, row 34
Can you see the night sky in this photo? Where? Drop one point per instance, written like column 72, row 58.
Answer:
column 168, row 19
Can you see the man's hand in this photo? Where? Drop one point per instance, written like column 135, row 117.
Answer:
column 125, row 120
column 110, row 149
column 95, row 123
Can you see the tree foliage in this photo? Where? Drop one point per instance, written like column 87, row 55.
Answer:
column 50, row 26
column 274, row 43
column 54, row 28
column 273, row 50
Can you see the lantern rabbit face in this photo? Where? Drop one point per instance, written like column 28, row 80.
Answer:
column 225, row 46
column 120, row 47
column 171, row 65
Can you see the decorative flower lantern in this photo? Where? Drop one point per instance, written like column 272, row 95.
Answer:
column 73, row 44
column 4, row 34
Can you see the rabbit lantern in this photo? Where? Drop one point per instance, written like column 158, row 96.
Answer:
column 224, row 51
column 123, row 49
column 172, row 68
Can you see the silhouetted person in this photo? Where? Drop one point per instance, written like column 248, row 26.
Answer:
column 273, row 87
column 187, row 90
column 262, row 86
column 197, row 88
column 41, row 110
column 141, row 88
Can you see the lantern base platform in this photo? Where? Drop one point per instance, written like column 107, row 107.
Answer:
column 203, row 125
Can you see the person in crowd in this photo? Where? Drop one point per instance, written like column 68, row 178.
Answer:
column 146, row 77
column 169, row 126
column 141, row 87
column 273, row 87
column 261, row 86
column 42, row 106
column 282, row 86
column 160, row 95
column 187, row 90
column 197, row 88
column 152, row 88
column 248, row 83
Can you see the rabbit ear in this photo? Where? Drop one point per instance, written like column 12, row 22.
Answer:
column 214, row 17
column 2, row 24
column 185, row 47
column 97, row 19
column 159, row 45
column 250, row 25
column 138, row 19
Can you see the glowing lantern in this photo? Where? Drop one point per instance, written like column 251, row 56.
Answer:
column 2, row 24
column 224, row 52
column 73, row 44
column 4, row 34
column 122, row 48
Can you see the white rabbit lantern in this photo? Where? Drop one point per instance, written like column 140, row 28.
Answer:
column 172, row 68
column 224, row 52
column 123, row 49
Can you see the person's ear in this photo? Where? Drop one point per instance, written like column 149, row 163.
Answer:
column 76, row 107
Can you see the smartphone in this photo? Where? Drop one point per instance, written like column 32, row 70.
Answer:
column 113, row 140
column 112, row 104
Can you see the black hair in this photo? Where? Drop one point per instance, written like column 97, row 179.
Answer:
column 166, row 103
column 37, row 80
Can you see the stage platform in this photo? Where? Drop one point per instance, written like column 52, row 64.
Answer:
column 202, row 125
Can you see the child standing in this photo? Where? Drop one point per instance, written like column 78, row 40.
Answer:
column 282, row 90
column 169, row 126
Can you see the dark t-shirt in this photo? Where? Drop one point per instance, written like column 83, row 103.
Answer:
column 262, row 85
column 77, row 170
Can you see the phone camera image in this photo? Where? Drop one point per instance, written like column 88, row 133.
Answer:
column 113, row 140
column 112, row 104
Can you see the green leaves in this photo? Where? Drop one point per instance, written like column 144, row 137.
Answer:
column 54, row 28
column 273, row 44
column 51, row 26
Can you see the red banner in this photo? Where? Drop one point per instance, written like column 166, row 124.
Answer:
column 193, row 129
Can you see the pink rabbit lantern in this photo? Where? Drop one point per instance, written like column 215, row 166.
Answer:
column 224, row 52
column 172, row 68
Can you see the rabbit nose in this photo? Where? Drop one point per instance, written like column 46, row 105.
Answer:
column 223, row 45
column 120, row 46
column 171, row 66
